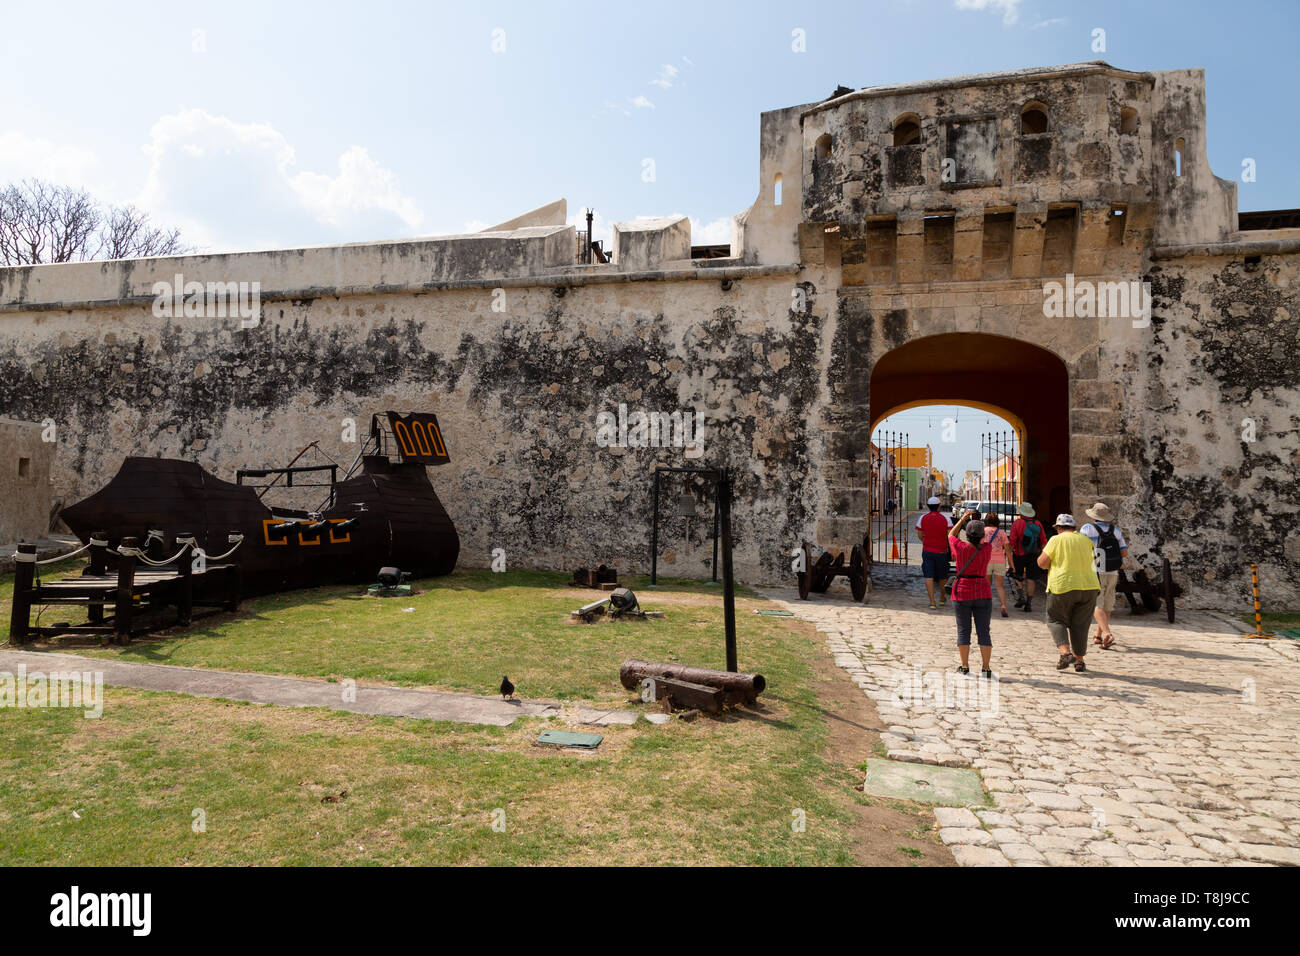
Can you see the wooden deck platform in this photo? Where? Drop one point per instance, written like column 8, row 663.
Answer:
column 130, row 592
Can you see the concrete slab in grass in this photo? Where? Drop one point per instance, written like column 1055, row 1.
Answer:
column 924, row 783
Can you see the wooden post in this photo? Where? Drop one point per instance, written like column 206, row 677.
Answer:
column 654, row 530
column 236, row 583
column 125, row 590
column 24, row 575
column 98, row 567
column 185, row 587
column 728, row 579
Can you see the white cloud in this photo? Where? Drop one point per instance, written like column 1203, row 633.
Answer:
column 360, row 186
column 232, row 185
column 667, row 73
column 1010, row 8
column 24, row 157
column 641, row 103
column 712, row 234
column 1054, row 21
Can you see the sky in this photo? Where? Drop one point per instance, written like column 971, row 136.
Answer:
column 955, row 434
column 276, row 124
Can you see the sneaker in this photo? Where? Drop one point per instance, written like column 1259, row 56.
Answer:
column 961, row 669
column 1064, row 662
column 1028, row 608
column 933, row 606
column 1004, row 613
column 986, row 673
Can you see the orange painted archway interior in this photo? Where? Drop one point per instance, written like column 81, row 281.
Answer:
column 1020, row 382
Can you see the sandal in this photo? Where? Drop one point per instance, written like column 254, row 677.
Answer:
column 1079, row 665
column 1108, row 643
column 1064, row 662
column 1004, row 613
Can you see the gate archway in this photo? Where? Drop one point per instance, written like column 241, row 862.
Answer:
column 1023, row 383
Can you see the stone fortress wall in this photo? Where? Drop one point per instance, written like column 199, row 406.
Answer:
column 894, row 252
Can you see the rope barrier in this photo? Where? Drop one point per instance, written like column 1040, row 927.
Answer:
column 158, row 564
column 238, row 539
column 64, row 557
column 139, row 555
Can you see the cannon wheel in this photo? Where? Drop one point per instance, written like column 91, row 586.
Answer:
column 1147, row 592
column 1168, row 582
column 805, row 576
column 825, row 571
column 858, row 574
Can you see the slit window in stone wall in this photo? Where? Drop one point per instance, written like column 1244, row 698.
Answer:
column 1180, row 147
column 907, row 130
column 1033, row 119
column 905, row 158
column 1128, row 121
column 24, row 467
column 776, row 190
column 823, row 146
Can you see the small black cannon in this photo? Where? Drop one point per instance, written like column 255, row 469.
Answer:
column 818, row 575
column 1144, row 595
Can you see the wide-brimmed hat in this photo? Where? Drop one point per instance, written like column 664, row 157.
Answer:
column 1065, row 521
column 1099, row 512
column 1026, row 509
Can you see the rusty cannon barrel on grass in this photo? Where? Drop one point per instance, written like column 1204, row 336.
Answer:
column 736, row 688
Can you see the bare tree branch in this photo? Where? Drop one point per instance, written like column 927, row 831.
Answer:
column 41, row 222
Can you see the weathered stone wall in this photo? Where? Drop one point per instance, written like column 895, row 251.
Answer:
column 870, row 257
column 25, row 461
column 517, row 393
column 1214, row 432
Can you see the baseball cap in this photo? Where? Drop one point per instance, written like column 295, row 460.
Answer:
column 932, row 500
column 1065, row 521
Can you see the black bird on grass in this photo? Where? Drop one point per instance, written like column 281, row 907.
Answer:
column 507, row 688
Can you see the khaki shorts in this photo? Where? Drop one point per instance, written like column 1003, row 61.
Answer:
column 1106, row 600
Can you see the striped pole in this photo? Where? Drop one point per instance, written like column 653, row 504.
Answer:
column 1254, row 586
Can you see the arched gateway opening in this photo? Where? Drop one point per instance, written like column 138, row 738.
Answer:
column 1023, row 383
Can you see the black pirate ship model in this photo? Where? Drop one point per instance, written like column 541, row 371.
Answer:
column 382, row 512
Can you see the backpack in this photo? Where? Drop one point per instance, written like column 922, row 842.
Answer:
column 1031, row 539
column 1107, row 555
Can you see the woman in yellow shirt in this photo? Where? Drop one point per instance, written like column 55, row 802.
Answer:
column 1072, row 590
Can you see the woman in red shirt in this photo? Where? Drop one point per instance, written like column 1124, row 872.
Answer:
column 972, row 599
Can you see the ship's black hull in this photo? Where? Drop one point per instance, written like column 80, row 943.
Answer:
column 393, row 518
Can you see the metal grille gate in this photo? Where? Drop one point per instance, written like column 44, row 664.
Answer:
column 887, row 525
column 1000, row 466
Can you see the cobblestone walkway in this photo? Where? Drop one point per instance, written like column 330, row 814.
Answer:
column 1180, row 746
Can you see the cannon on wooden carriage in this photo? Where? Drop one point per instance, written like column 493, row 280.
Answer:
column 1145, row 595
column 818, row 575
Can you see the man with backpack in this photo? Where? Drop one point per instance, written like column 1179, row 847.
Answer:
column 1027, row 540
column 1110, row 550
column 932, row 528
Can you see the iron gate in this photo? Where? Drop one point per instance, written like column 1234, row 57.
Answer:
column 1000, row 466
column 890, row 507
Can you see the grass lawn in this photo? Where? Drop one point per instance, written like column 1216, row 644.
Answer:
column 461, row 633
column 1273, row 619
column 125, row 788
